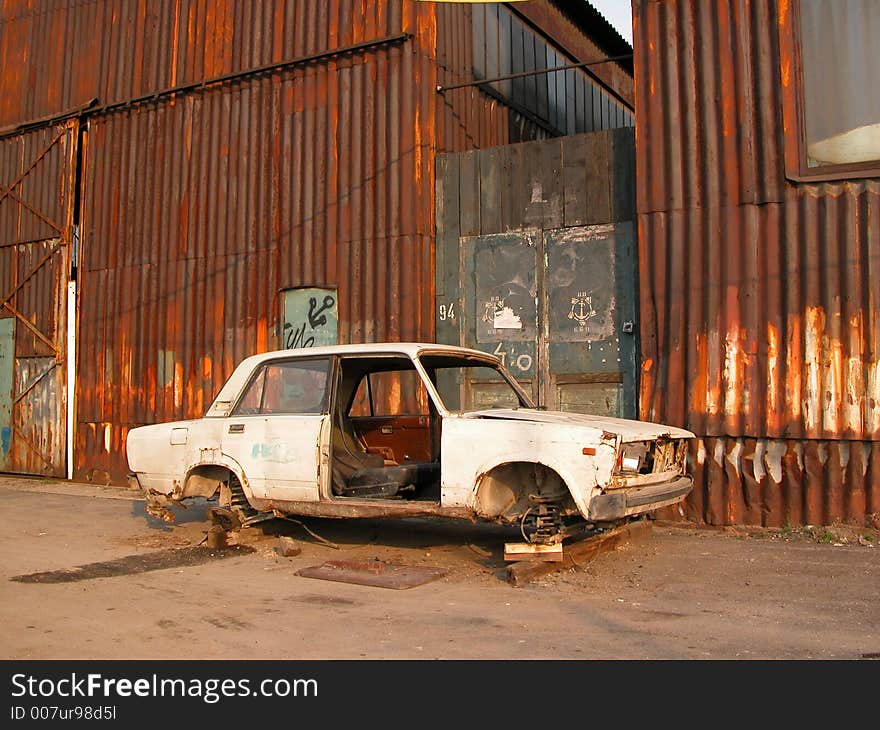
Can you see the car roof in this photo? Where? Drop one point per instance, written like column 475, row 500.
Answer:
column 411, row 349
column 242, row 372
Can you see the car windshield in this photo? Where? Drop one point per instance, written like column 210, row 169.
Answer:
column 472, row 384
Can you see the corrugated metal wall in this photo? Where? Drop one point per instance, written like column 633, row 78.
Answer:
column 760, row 317
column 199, row 206
column 115, row 50
column 200, row 210
column 467, row 118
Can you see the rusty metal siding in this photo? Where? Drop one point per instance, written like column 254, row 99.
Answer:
column 32, row 165
column 763, row 320
column 34, row 202
column 760, row 317
column 708, row 86
column 199, row 210
column 777, row 482
column 467, row 118
column 566, row 21
column 115, row 50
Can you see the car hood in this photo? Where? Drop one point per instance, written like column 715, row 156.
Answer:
column 628, row 430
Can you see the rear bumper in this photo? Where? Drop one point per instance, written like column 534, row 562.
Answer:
column 637, row 500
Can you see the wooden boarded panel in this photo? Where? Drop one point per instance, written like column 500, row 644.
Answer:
column 447, row 269
column 597, row 182
column 546, row 159
column 574, row 152
column 469, row 194
column 515, row 180
column 623, row 174
column 492, row 183
column 598, row 399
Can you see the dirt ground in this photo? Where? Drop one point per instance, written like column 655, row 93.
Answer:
column 684, row 592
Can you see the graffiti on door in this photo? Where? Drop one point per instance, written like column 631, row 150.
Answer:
column 310, row 318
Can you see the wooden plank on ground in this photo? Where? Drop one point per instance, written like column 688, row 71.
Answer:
column 577, row 553
column 528, row 551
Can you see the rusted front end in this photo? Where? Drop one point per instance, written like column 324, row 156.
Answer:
column 648, row 475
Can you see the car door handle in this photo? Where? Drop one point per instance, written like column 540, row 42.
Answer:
column 236, row 428
column 386, row 429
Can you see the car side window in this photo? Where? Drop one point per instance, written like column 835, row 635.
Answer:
column 291, row 386
column 390, row 393
column 250, row 403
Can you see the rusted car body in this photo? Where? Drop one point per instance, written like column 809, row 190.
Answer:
column 389, row 430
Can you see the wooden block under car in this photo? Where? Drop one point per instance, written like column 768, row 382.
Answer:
column 528, row 551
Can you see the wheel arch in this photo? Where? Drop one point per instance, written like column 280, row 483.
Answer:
column 205, row 479
column 502, row 492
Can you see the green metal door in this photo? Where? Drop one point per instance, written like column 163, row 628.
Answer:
column 536, row 262
column 589, row 355
column 310, row 318
column 558, row 308
column 500, row 306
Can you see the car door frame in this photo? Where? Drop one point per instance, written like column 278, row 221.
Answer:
column 437, row 417
column 270, row 450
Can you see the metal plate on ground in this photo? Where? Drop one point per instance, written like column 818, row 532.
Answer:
column 372, row 573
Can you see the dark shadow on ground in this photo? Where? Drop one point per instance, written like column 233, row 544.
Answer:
column 485, row 542
column 131, row 564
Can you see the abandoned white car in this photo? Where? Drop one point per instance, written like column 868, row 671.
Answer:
column 387, row 430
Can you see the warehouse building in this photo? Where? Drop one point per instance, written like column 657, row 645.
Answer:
column 187, row 182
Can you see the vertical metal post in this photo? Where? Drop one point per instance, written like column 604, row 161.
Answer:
column 71, row 368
